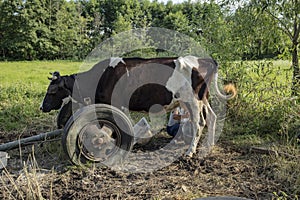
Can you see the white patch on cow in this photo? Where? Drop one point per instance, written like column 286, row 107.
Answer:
column 211, row 120
column 182, row 74
column 184, row 65
column 180, row 82
column 191, row 61
column 114, row 61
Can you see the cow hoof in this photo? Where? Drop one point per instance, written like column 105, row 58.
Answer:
column 189, row 154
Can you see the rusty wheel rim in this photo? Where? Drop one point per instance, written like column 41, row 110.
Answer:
column 99, row 140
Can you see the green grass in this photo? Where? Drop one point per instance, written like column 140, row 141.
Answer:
column 34, row 71
column 265, row 115
column 264, row 103
column 23, row 86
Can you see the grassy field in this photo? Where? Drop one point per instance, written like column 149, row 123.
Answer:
column 23, row 86
column 263, row 114
column 34, row 72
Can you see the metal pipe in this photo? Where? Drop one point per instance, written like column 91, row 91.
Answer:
column 29, row 140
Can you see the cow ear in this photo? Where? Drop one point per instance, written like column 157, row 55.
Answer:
column 55, row 75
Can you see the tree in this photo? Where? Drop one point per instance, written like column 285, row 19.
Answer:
column 158, row 11
column 38, row 29
column 286, row 14
column 255, row 36
column 208, row 25
column 42, row 29
column 13, row 39
column 111, row 11
column 121, row 24
column 91, row 12
column 69, row 30
column 176, row 21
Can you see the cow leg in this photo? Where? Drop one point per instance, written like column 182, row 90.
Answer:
column 211, row 119
column 197, row 129
column 203, row 108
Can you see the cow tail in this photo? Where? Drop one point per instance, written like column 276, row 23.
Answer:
column 229, row 88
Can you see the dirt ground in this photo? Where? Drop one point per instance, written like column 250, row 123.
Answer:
column 225, row 171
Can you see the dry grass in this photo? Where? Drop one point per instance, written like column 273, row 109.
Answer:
column 31, row 182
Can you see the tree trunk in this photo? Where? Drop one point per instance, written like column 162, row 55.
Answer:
column 296, row 71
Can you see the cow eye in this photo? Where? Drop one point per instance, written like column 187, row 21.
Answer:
column 52, row 89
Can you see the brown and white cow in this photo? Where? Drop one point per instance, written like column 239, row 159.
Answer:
column 137, row 84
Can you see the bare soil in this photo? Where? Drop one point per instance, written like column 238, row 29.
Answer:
column 44, row 171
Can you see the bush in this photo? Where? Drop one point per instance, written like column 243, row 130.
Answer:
column 264, row 105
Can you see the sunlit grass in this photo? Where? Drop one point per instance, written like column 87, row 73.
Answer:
column 23, row 86
column 34, row 71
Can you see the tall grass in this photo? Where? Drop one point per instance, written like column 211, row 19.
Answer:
column 265, row 114
column 22, row 88
column 264, row 104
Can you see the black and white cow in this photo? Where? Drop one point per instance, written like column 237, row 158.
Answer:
column 137, row 84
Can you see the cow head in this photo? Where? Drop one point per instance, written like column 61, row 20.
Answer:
column 56, row 92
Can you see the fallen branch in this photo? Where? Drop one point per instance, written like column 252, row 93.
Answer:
column 268, row 151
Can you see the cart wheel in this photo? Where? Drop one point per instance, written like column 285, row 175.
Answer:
column 98, row 133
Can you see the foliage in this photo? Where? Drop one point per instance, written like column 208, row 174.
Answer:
column 61, row 29
column 259, row 39
column 265, row 115
column 264, row 106
column 285, row 13
column 41, row 29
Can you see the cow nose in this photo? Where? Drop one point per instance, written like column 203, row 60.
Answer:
column 41, row 106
